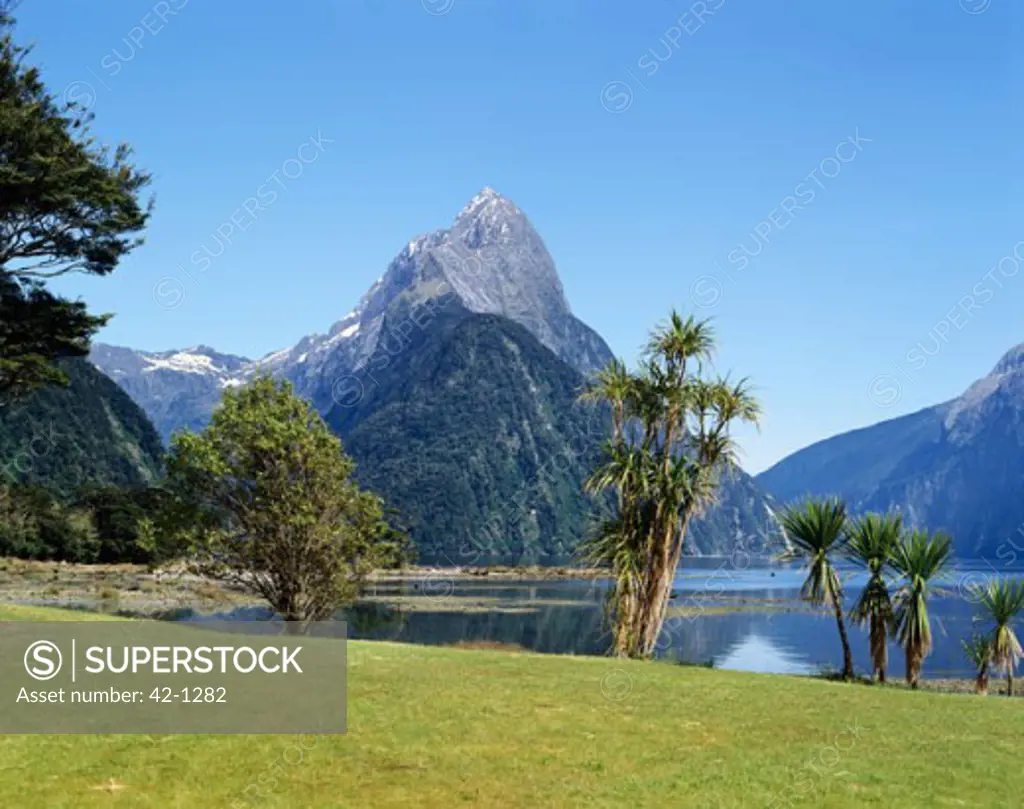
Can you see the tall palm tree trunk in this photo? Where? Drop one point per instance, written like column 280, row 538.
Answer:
column 624, row 613
column 654, row 608
column 847, row 654
column 1009, row 681
column 913, row 666
column 879, row 650
column 663, row 577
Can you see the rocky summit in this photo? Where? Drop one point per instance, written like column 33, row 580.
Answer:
column 491, row 261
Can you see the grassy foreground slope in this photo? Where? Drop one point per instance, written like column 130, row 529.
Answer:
column 434, row 727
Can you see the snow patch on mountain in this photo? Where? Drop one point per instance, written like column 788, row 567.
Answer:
column 183, row 362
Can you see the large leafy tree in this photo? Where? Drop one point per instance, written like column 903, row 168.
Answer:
column 919, row 558
column 816, row 534
column 871, row 540
column 670, row 444
column 264, row 499
column 1003, row 600
column 67, row 205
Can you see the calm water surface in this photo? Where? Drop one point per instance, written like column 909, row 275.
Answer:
column 566, row 616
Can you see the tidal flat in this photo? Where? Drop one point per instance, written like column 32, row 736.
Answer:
column 127, row 589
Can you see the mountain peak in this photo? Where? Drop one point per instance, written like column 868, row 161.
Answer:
column 1012, row 360
column 490, row 203
column 491, row 261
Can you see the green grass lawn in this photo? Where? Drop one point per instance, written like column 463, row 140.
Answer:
column 436, row 727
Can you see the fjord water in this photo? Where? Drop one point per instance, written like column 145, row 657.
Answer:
column 745, row 618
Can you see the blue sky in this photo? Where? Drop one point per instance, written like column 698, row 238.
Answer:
column 831, row 181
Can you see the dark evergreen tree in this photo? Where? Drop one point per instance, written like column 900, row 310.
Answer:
column 67, row 205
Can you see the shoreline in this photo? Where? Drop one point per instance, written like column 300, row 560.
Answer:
column 413, row 572
column 135, row 591
column 963, row 686
column 537, row 571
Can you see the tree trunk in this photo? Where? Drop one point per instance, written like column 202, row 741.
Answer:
column 847, row 654
column 981, row 684
column 913, row 668
column 660, row 589
column 625, row 618
column 879, row 650
column 654, row 618
column 1009, row 682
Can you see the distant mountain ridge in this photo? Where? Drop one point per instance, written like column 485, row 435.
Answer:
column 957, row 466
column 178, row 389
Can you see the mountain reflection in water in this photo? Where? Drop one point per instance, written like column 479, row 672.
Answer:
column 749, row 619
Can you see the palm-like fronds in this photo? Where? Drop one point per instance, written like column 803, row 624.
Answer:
column 626, row 468
column 918, row 558
column 681, row 339
column 978, row 650
column 613, row 546
column 870, row 543
column 1002, row 600
column 815, row 533
column 670, row 441
column 734, row 401
column 648, row 406
column 715, row 407
column 612, row 384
